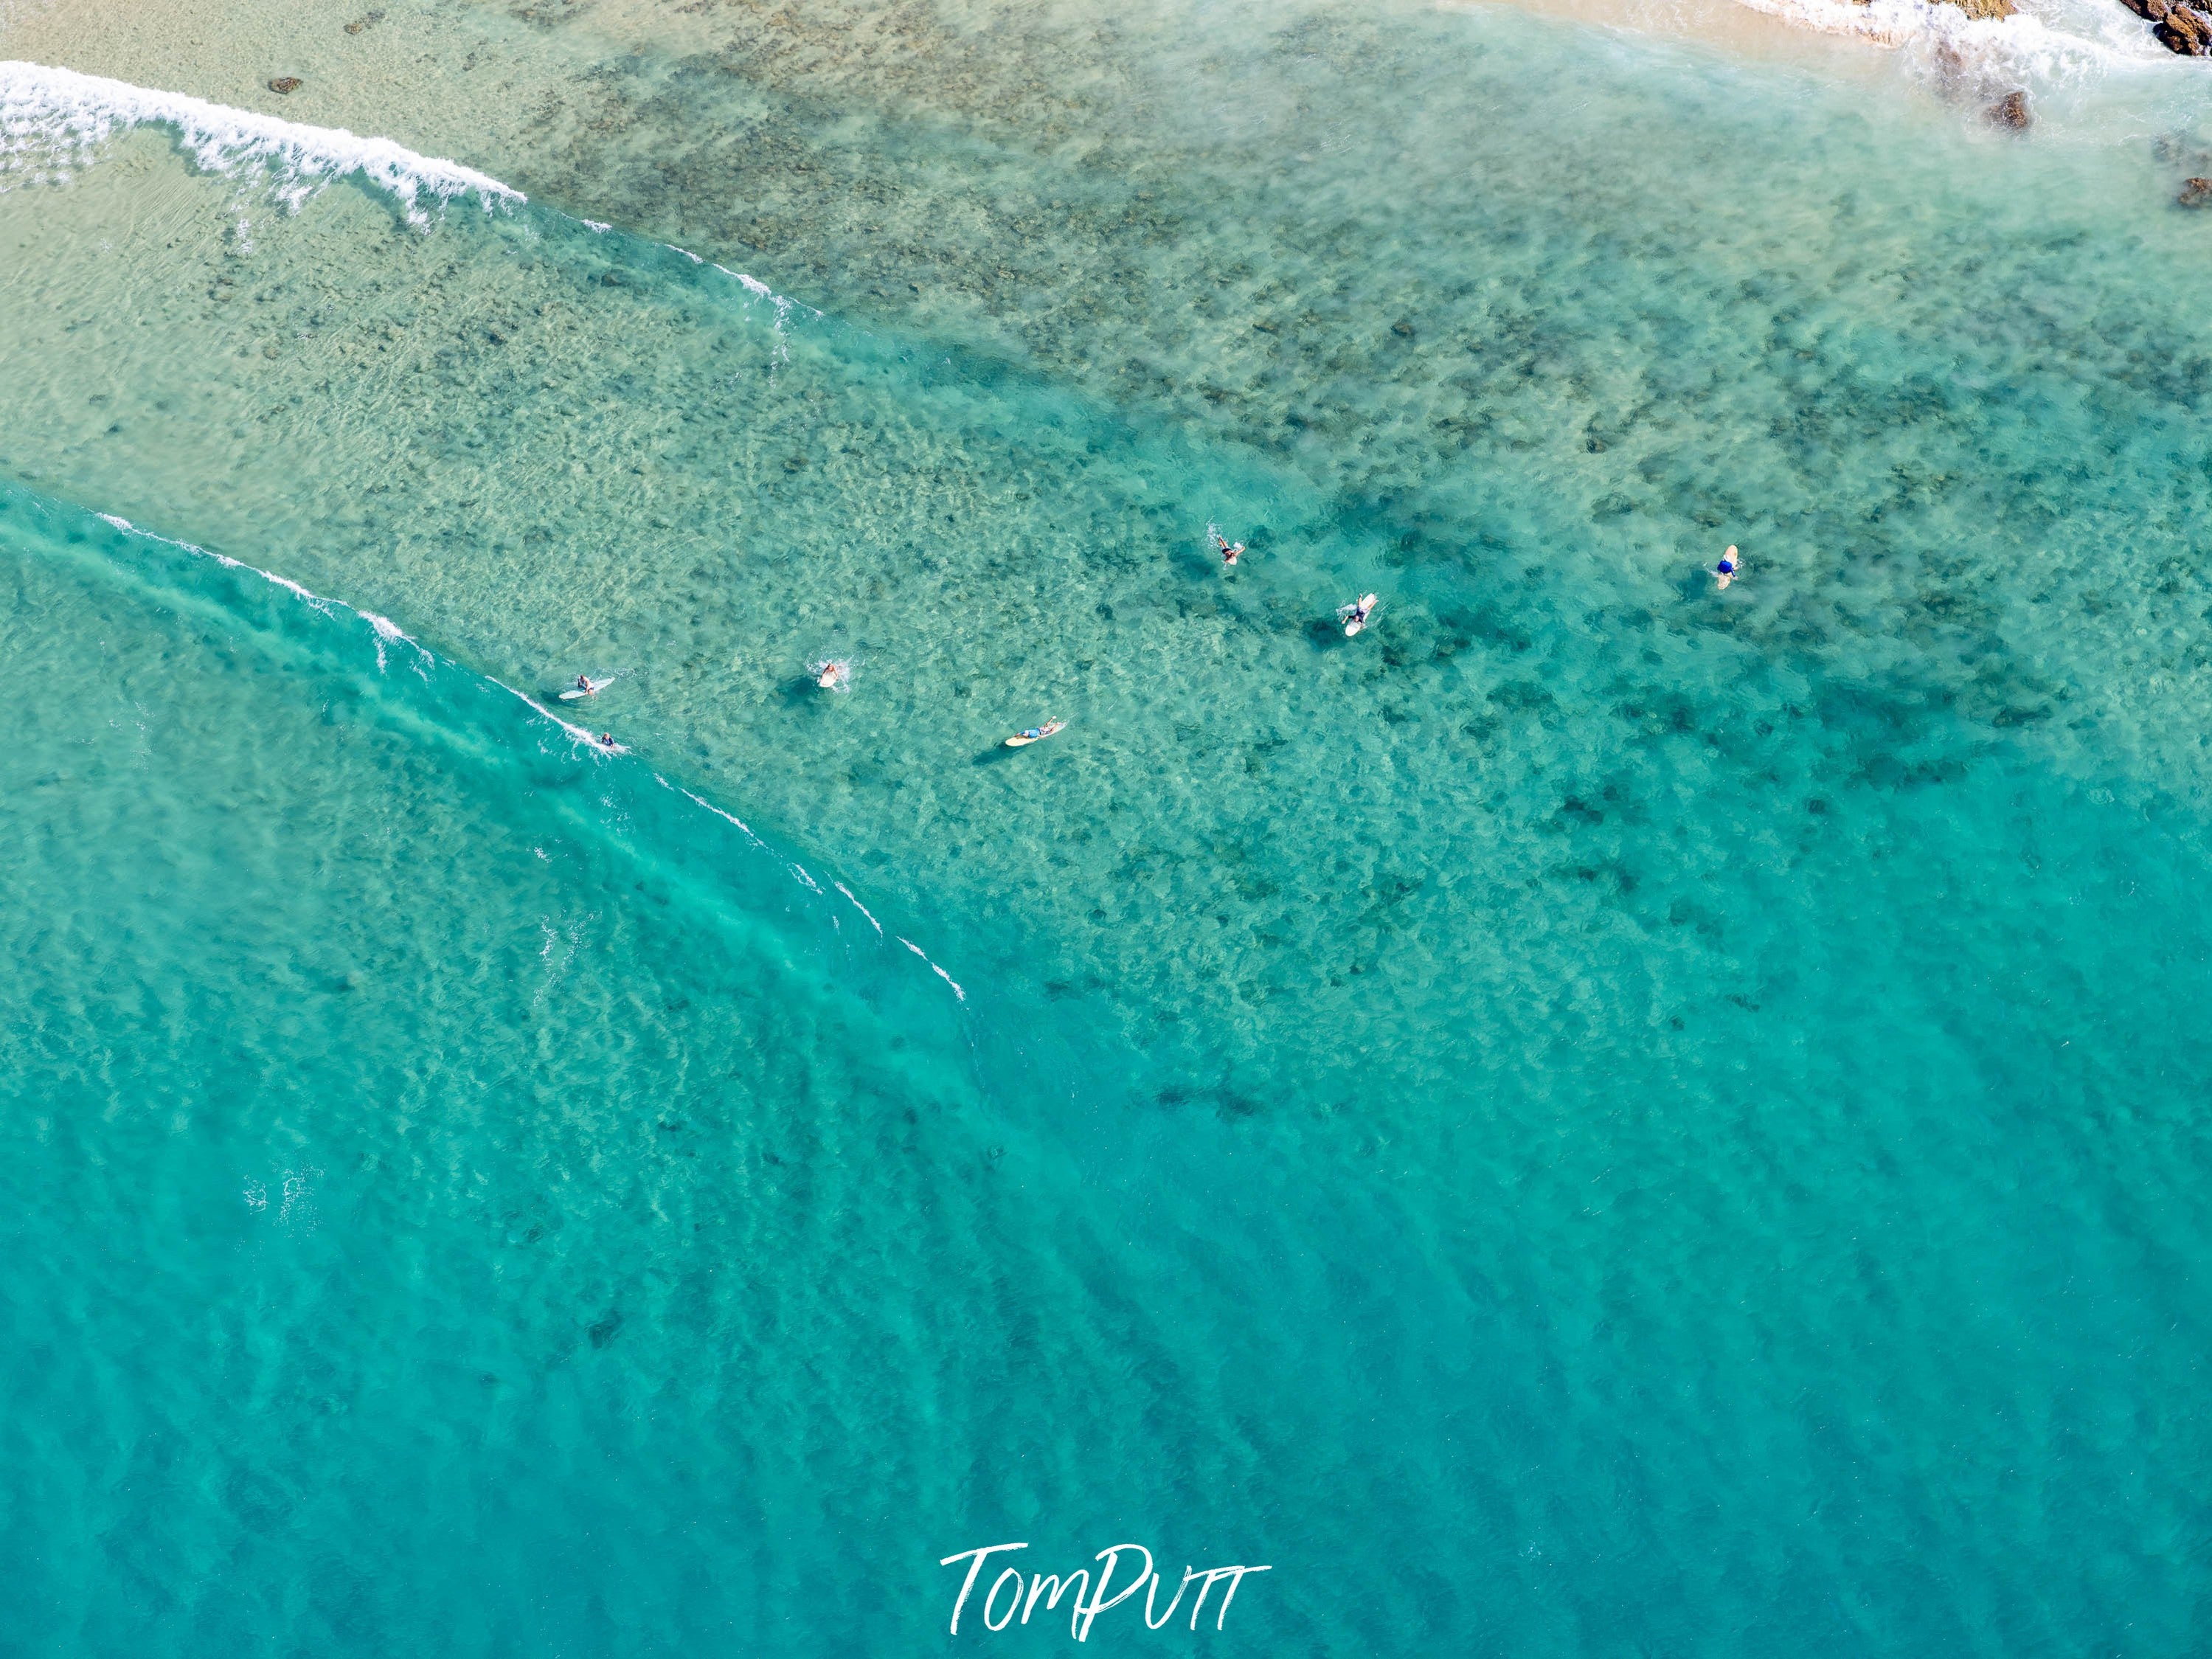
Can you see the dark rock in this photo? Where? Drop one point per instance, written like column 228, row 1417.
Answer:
column 1402, row 328
column 2010, row 111
column 2196, row 194
column 2181, row 27
column 285, row 83
column 2182, row 32
column 2185, row 31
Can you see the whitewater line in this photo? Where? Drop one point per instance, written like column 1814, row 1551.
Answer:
column 861, row 908
column 576, row 732
column 2023, row 43
column 934, row 968
column 385, row 631
column 71, row 115
column 75, row 114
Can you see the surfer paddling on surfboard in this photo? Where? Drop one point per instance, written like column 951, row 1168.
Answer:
column 1034, row 734
column 1729, row 567
column 1354, row 616
column 832, row 674
column 1229, row 553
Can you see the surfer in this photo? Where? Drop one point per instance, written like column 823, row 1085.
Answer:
column 584, row 684
column 1727, row 570
column 832, row 675
column 1354, row 616
column 1229, row 553
column 606, row 739
column 1034, row 733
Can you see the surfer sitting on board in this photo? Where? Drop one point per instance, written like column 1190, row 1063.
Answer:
column 584, row 684
column 1727, row 569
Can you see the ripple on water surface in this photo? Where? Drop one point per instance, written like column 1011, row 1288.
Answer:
column 1706, row 1060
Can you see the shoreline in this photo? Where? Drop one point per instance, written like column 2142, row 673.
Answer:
column 504, row 95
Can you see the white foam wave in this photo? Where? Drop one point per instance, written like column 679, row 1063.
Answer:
column 54, row 119
column 2052, row 40
column 588, row 739
column 934, row 968
column 861, row 908
column 801, row 874
column 760, row 290
column 382, row 629
column 386, row 632
column 727, row 817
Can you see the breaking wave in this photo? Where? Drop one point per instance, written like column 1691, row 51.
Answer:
column 54, row 121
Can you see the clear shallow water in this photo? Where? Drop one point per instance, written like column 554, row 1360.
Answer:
column 1674, row 1115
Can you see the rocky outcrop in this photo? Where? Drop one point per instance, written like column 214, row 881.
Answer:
column 2186, row 29
column 2196, row 194
column 2010, row 111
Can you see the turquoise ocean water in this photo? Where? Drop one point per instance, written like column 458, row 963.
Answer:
column 1601, row 1117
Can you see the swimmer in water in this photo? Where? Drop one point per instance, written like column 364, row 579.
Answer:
column 1727, row 570
column 833, row 674
column 1229, row 553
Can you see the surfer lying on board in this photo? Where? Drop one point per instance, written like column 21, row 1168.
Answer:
column 833, row 674
column 1032, row 735
column 1354, row 616
column 606, row 739
column 1727, row 569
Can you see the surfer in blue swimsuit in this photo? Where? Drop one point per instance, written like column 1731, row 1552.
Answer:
column 1727, row 569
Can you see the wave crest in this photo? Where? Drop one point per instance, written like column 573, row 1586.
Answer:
column 2049, row 40
column 54, row 120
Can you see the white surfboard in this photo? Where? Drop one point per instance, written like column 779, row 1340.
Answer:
column 1022, row 739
